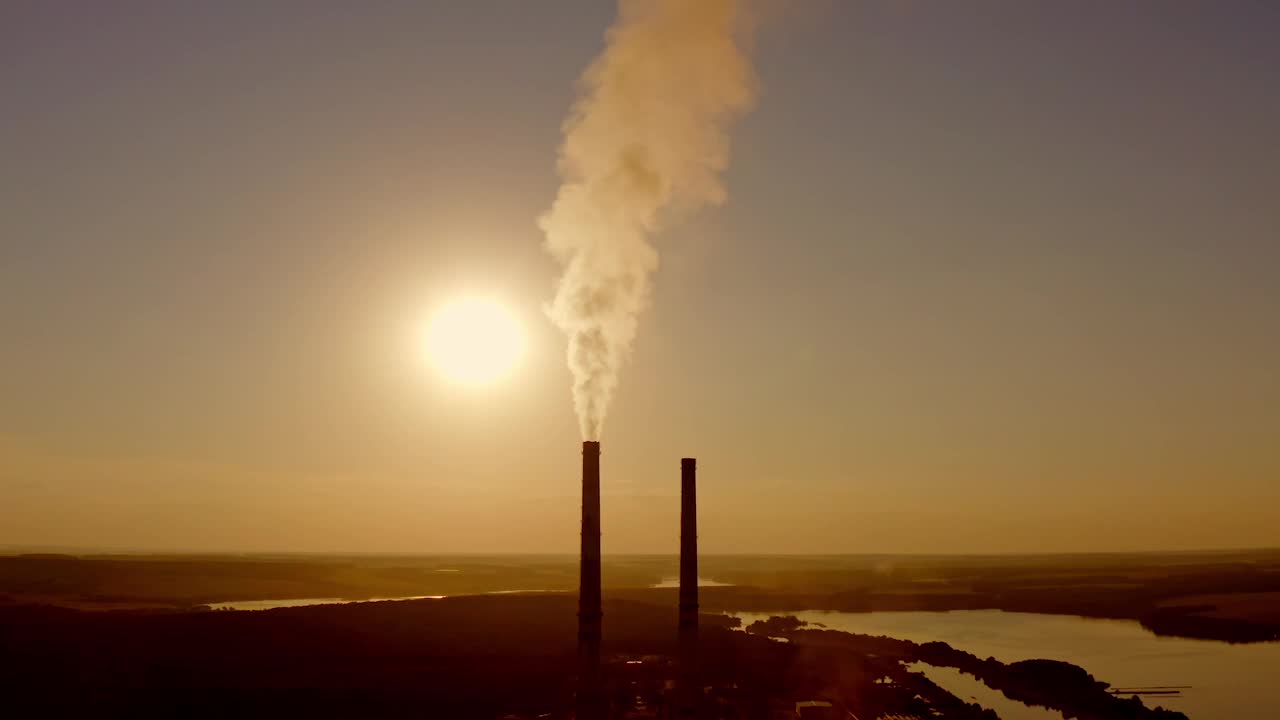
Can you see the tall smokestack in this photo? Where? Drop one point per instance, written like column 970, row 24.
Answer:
column 590, row 700
column 688, row 627
column 688, row 545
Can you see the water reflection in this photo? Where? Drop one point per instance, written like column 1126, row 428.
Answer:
column 674, row 582
column 1225, row 681
column 668, row 582
column 970, row 689
column 299, row 602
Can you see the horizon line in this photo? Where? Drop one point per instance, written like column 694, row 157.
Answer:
column 13, row 550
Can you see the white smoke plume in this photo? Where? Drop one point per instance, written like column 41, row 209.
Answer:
column 646, row 141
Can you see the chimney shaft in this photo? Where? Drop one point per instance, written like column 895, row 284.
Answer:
column 688, row 625
column 688, row 544
column 590, row 700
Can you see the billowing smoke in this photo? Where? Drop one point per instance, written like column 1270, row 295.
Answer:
column 646, row 141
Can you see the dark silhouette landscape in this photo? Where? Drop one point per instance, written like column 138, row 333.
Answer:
column 134, row 636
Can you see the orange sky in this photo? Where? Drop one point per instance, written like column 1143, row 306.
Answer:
column 989, row 279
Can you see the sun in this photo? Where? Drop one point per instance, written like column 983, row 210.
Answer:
column 474, row 341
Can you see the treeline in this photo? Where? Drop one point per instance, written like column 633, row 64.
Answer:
column 1187, row 621
column 1151, row 599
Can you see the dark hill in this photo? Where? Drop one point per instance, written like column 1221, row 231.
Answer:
column 458, row 658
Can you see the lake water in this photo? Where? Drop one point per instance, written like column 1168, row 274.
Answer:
column 671, row 582
column 1236, row 682
column 970, row 689
column 674, row 582
column 299, row 602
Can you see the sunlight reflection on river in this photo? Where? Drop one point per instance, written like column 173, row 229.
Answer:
column 300, row 602
column 1226, row 681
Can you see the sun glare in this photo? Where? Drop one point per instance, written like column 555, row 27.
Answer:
column 474, row 341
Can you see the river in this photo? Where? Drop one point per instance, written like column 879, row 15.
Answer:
column 668, row 582
column 300, row 602
column 1226, row 681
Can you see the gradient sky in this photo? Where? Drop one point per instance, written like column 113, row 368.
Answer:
column 993, row 277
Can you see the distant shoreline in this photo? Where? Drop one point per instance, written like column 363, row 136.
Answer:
column 1232, row 597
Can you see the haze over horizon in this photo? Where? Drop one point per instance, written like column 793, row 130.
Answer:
column 1000, row 278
